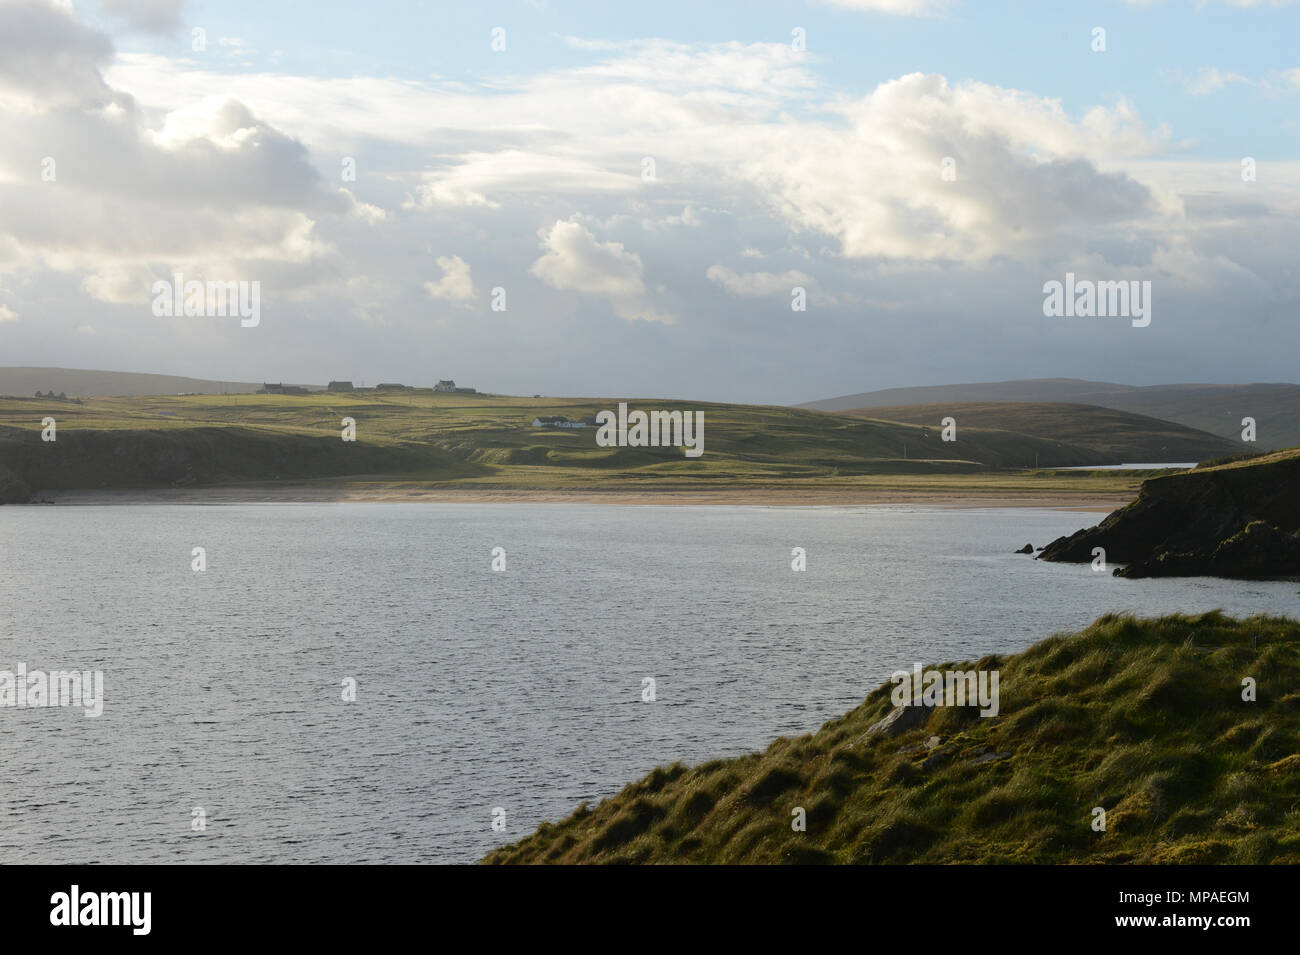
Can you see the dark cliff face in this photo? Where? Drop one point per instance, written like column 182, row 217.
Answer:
column 1232, row 521
column 93, row 459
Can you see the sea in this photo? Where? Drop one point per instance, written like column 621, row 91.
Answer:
column 410, row 682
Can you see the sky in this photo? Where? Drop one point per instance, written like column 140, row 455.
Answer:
column 634, row 199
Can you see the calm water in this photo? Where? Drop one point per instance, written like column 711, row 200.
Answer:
column 475, row 689
column 1186, row 465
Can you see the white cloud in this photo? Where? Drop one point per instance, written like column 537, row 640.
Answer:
column 1292, row 78
column 911, row 8
column 1244, row 4
column 732, row 122
column 688, row 218
column 7, row 314
column 147, row 16
column 1210, row 80
column 203, row 187
column 1025, row 171
column 576, row 261
column 456, row 285
column 478, row 175
column 757, row 284
column 363, row 211
column 48, row 58
column 729, row 72
column 119, row 284
column 171, row 163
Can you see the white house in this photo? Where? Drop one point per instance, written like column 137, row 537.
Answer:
column 445, row 385
column 558, row 421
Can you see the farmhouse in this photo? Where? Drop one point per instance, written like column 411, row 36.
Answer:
column 558, row 421
column 448, row 385
column 340, row 386
column 282, row 389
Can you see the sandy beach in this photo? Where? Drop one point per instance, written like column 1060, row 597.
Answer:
column 751, row 496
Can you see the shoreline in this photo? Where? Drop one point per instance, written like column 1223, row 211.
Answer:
column 1099, row 502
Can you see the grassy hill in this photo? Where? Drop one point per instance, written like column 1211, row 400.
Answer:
column 1117, row 436
column 181, row 457
column 80, row 382
column 1143, row 718
column 1217, row 409
column 480, row 440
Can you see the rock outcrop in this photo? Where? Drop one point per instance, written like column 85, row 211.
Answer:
column 1235, row 520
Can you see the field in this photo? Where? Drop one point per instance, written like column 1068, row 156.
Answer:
column 408, row 442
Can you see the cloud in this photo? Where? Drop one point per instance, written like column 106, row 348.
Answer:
column 1292, row 78
column 576, row 261
column 733, row 125
column 688, row 218
column 207, row 187
column 7, row 314
column 757, row 284
column 455, row 284
column 119, row 284
column 475, row 176
column 1210, row 80
column 1242, row 4
column 910, row 8
column 1024, row 172
column 49, row 59
column 178, row 163
column 729, row 72
column 147, row 16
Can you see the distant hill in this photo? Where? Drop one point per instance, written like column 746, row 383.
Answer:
column 1217, row 409
column 1117, row 436
column 78, row 382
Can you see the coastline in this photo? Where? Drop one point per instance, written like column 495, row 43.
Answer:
column 1063, row 499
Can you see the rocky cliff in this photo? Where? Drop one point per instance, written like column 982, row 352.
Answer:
column 1235, row 520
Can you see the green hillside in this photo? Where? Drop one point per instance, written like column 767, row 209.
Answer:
column 435, row 438
column 1217, row 409
column 1118, row 436
column 1142, row 718
column 80, row 382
